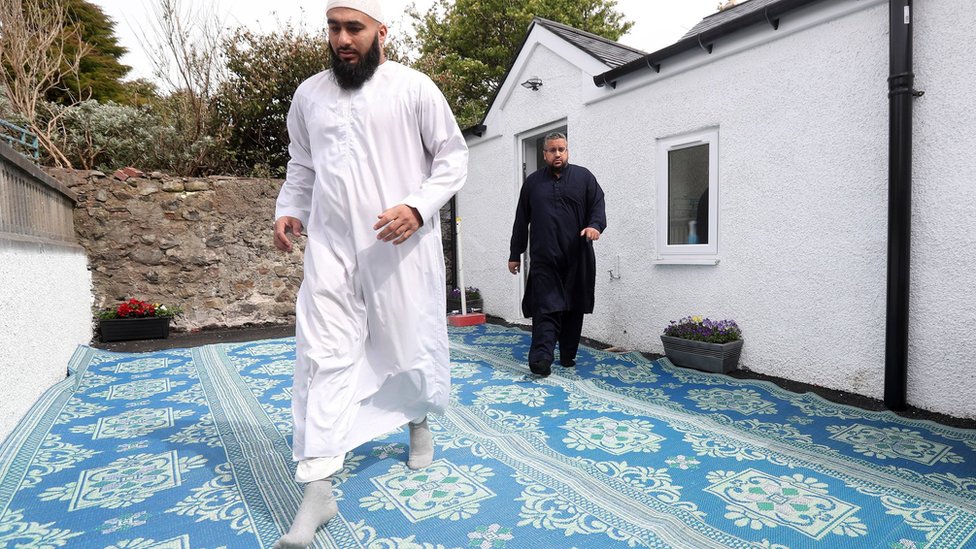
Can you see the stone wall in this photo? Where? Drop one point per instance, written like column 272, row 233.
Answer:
column 201, row 244
column 204, row 244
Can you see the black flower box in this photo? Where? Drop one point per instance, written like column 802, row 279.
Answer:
column 454, row 305
column 128, row 329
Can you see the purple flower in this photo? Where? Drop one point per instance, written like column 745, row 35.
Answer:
column 470, row 293
column 704, row 329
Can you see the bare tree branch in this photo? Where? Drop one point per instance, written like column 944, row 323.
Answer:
column 33, row 58
column 185, row 51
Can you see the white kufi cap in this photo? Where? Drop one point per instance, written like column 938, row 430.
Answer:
column 369, row 7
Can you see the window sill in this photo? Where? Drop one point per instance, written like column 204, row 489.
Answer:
column 686, row 261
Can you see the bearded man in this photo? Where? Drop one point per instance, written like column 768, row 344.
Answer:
column 375, row 153
column 561, row 211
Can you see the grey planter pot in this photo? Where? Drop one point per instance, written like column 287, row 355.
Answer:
column 717, row 358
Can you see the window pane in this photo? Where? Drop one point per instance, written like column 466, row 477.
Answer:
column 688, row 195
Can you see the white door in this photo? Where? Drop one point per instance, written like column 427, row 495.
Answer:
column 532, row 144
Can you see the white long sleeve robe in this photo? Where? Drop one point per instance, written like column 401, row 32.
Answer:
column 372, row 349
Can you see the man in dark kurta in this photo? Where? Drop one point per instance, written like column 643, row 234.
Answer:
column 560, row 212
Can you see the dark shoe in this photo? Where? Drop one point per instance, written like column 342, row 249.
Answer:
column 567, row 363
column 541, row 367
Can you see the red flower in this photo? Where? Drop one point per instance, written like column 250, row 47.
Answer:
column 134, row 308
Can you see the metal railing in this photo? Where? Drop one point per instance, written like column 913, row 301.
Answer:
column 15, row 136
column 34, row 206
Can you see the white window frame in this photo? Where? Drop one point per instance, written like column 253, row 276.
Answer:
column 687, row 254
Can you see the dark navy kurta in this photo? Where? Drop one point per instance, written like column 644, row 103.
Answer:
column 553, row 212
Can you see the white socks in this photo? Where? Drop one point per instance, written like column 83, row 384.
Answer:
column 421, row 445
column 319, row 505
column 317, row 508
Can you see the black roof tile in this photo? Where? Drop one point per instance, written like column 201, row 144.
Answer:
column 608, row 52
column 722, row 17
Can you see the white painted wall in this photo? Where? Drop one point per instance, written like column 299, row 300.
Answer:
column 803, row 119
column 942, row 367
column 45, row 313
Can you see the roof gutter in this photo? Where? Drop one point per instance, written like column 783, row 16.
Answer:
column 769, row 14
column 901, row 95
column 477, row 130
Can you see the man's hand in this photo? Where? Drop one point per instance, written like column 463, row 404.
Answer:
column 282, row 226
column 398, row 224
column 590, row 233
column 514, row 266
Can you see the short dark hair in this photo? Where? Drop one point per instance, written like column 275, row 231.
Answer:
column 552, row 136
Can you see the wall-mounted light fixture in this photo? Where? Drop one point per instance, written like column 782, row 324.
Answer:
column 533, row 83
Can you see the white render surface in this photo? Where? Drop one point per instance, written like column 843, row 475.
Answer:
column 802, row 115
column 942, row 367
column 45, row 313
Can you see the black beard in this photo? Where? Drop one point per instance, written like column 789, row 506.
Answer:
column 352, row 76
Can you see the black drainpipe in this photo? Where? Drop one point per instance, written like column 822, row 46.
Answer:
column 900, row 96
column 454, row 237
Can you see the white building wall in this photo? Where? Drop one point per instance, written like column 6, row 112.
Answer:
column 802, row 218
column 802, row 114
column 942, row 368
column 45, row 313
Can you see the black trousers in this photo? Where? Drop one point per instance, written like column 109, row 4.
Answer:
column 548, row 328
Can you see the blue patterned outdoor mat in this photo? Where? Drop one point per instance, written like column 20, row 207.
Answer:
column 189, row 449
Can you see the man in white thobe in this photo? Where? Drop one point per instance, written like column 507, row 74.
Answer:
column 375, row 153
